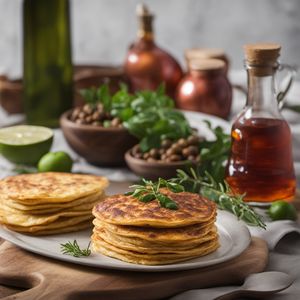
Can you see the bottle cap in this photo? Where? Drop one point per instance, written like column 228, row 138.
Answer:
column 142, row 10
column 262, row 58
column 204, row 53
column 205, row 65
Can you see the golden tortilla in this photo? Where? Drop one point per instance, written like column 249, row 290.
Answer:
column 61, row 225
column 153, row 234
column 100, row 246
column 85, row 204
column 51, row 187
column 26, row 220
column 147, row 247
column 126, row 210
column 70, row 228
column 93, row 198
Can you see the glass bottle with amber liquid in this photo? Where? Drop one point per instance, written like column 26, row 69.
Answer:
column 147, row 65
column 261, row 161
column 47, row 61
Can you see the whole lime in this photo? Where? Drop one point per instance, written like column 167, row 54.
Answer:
column 25, row 144
column 59, row 161
column 282, row 210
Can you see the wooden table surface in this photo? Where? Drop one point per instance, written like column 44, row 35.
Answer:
column 9, row 290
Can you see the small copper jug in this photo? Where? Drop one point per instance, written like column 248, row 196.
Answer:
column 205, row 88
column 146, row 65
column 206, row 53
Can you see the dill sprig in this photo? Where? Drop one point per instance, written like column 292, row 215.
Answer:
column 73, row 249
column 220, row 193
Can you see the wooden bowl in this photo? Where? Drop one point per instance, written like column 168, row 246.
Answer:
column 11, row 95
column 99, row 146
column 85, row 76
column 154, row 170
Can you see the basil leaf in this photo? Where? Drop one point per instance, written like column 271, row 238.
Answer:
column 147, row 198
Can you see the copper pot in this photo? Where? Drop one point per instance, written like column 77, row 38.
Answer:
column 206, row 53
column 205, row 88
column 147, row 65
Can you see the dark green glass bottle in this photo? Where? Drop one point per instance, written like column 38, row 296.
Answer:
column 47, row 61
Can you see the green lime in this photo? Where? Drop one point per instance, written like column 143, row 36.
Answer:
column 281, row 210
column 55, row 162
column 25, row 144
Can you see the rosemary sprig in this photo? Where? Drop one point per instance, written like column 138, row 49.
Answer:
column 149, row 191
column 221, row 194
column 73, row 249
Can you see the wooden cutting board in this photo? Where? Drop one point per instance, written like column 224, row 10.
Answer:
column 36, row 277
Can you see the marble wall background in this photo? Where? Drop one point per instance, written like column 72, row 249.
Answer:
column 102, row 29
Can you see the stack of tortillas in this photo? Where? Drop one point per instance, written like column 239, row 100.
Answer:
column 49, row 203
column 146, row 233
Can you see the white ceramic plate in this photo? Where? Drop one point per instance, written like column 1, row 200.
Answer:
column 196, row 120
column 234, row 239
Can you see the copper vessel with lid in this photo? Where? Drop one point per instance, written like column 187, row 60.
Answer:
column 206, row 53
column 205, row 88
column 147, row 65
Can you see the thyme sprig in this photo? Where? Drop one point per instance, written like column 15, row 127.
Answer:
column 73, row 249
column 148, row 191
column 220, row 193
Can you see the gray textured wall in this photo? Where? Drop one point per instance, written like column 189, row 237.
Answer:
column 102, row 29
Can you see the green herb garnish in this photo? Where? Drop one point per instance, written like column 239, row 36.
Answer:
column 220, row 193
column 73, row 249
column 206, row 186
column 148, row 115
column 149, row 191
column 154, row 125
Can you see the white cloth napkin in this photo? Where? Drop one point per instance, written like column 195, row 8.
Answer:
column 272, row 235
column 275, row 231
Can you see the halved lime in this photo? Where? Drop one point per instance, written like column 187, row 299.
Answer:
column 25, row 144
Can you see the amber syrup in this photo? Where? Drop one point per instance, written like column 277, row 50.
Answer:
column 261, row 161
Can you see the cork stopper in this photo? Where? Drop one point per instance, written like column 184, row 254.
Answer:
column 145, row 18
column 207, row 65
column 262, row 58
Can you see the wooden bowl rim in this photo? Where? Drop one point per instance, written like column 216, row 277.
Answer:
column 66, row 122
column 142, row 162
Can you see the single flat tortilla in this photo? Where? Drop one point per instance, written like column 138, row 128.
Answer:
column 24, row 220
column 71, row 228
column 127, row 210
column 60, row 225
column 57, row 205
column 51, row 187
column 84, row 204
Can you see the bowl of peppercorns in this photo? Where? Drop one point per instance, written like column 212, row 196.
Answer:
column 166, row 159
column 96, row 135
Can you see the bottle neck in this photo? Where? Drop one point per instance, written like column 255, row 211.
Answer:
column 262, row 94
column 145, row 31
